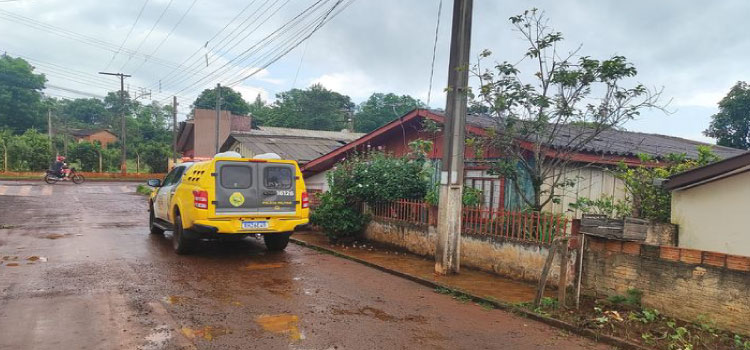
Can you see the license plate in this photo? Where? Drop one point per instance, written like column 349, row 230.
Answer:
column 249, row 225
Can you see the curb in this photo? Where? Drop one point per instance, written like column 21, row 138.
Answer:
column 602, row 338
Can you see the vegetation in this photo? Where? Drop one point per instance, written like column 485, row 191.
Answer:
column 367, row 179
column 731, row 126
column 230, row 101
column 314, row 108
column 21, row 104
column 381, row 108
column 565, row 90
column 604, row 205
column 650, row 200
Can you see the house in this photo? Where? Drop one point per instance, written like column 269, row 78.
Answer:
column 709, row 205
column 196, row 137
column 298, row 144
column 104, row 136
column 592, row 180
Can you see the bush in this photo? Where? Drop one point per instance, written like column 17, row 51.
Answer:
column 338, row 218
column 86, row 154
column 156, row 156
column 29, row 151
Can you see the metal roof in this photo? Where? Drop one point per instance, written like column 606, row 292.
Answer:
column 331, row 135
column 619, row 142
column 301, row 149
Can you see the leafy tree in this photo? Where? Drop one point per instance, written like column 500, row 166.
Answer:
column 85, row 154
column 29, row 151
column 230, row 101
column 87, row 112
column 651, row 201
column 731, row 126
column 314, row 108
column 155, row 155
column 381, row 108
column 566, row 89
column 21, row 106
column 259, row 109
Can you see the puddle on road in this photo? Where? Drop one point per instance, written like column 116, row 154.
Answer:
column 175, row 299
column 281, row 324
column 11, row 264
column 56, row 236
column 380, row 315
column 36, row 258
column 10, row 258
column 255, row 267
column 205, row 333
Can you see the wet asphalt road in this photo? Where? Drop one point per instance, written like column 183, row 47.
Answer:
column 79, row 270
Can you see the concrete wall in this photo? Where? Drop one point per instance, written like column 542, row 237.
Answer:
column 682, row 283
column 517, row 260
column 317, row 181
column 713, row 216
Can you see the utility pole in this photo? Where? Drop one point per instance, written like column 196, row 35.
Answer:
column 447, row 251
column 174, row 129
column 49, row 130
column 123, row 149
column 218, row 115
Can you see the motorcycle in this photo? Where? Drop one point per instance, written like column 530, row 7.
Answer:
column 51, row 177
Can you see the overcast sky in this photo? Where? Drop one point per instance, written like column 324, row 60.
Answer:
column 694, row 50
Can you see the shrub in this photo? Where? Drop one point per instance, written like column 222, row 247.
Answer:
column 337, row 217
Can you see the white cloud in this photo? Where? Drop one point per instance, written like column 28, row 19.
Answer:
column 356, row 84
column 249, row 93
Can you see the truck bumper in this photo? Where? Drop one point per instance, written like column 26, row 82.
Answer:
column 227, row 227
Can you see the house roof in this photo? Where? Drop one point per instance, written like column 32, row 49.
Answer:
column 301, row 149
column 708, row 173
column 87, row 132
column 344, row 136
column 609, row 147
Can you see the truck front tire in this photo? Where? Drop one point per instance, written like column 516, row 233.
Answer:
column 155, row 230
column 276, row 241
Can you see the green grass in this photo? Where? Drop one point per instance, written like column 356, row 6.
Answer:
column 144, row 190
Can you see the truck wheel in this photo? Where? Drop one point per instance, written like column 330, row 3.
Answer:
column 276, row 241
column 155, row 230
column 180, row 244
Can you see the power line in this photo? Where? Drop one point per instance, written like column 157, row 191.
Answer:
column 177, row 24
column 149, row 33
column 434, row 52
column 128, row 35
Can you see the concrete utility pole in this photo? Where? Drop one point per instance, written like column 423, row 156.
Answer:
column 49, row 130
column 218, row 115
column 174, row 129
column 123, row 149
column 447, row 251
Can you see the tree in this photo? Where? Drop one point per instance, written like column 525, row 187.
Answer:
column 381, row 108
column 230, row 101
column 155, row 155
column 87, row 112
column 314, row 108
column 731, row 126
column 535, row 123
column 21, row 106
column 29, row 151
column 86, row 154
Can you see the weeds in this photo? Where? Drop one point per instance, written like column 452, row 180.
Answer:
column 646, row 316
column 632, row 297
column 143, row 189
column 741, row 344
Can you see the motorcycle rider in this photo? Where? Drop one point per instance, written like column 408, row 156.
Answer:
column 59, row 167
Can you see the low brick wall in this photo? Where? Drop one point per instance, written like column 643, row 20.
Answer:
column 683, row 283
column 90, row 175
column 517, row 260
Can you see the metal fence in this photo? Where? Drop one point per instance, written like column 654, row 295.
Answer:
column 533, row 227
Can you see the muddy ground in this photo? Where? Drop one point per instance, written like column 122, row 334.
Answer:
column 79, row 270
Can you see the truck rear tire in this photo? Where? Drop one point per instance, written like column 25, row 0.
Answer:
column 180, row 243
column 276, row 241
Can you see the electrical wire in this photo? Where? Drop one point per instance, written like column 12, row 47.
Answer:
column 434, row 52
column 177, row 24
column 137, row 18
column 148, row 34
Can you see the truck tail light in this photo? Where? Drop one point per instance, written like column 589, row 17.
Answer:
column 200, row 199
column 305, row 200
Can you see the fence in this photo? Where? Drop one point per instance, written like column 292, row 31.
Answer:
column 520, row 226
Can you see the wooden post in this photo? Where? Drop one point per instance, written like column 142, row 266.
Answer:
column 545, row 272
column 100, row 161
column 562, row 285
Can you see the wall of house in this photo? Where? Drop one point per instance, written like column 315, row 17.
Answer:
column 516, row 260
column 713, row 216
column 590, row 181
column 242, row 149
column 103, row 137
column 317, row 182
column 682, row 283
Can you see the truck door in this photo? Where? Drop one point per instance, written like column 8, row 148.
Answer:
column 277, row 188
column 236, row 188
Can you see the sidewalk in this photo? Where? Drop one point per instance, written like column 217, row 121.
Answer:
column 477, row 283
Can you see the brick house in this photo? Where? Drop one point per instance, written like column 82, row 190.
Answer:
column 196, row 137
column 104, row 136
column 593, row 180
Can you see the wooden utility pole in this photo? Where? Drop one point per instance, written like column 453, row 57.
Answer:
column 447, row 251
column 218, row 116
column 49, row 130
column 123, row 149
column 174, row 129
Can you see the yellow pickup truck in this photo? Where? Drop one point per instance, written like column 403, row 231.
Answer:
column 229, row 197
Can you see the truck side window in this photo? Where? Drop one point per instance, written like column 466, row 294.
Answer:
column 236, row 177
column 277, row 178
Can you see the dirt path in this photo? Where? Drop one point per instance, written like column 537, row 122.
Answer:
column 79, row 271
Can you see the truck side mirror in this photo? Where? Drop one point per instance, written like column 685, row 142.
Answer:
column 154, row 182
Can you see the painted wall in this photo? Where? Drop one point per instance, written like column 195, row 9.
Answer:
column 591, row 182
column 104, row 137
column 516, row 260
column 713, row 216
column 681, row 283
column 317, row 182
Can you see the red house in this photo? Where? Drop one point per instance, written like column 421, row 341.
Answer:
column 610, row 148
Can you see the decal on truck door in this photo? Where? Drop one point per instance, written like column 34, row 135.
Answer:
column 236, row 199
